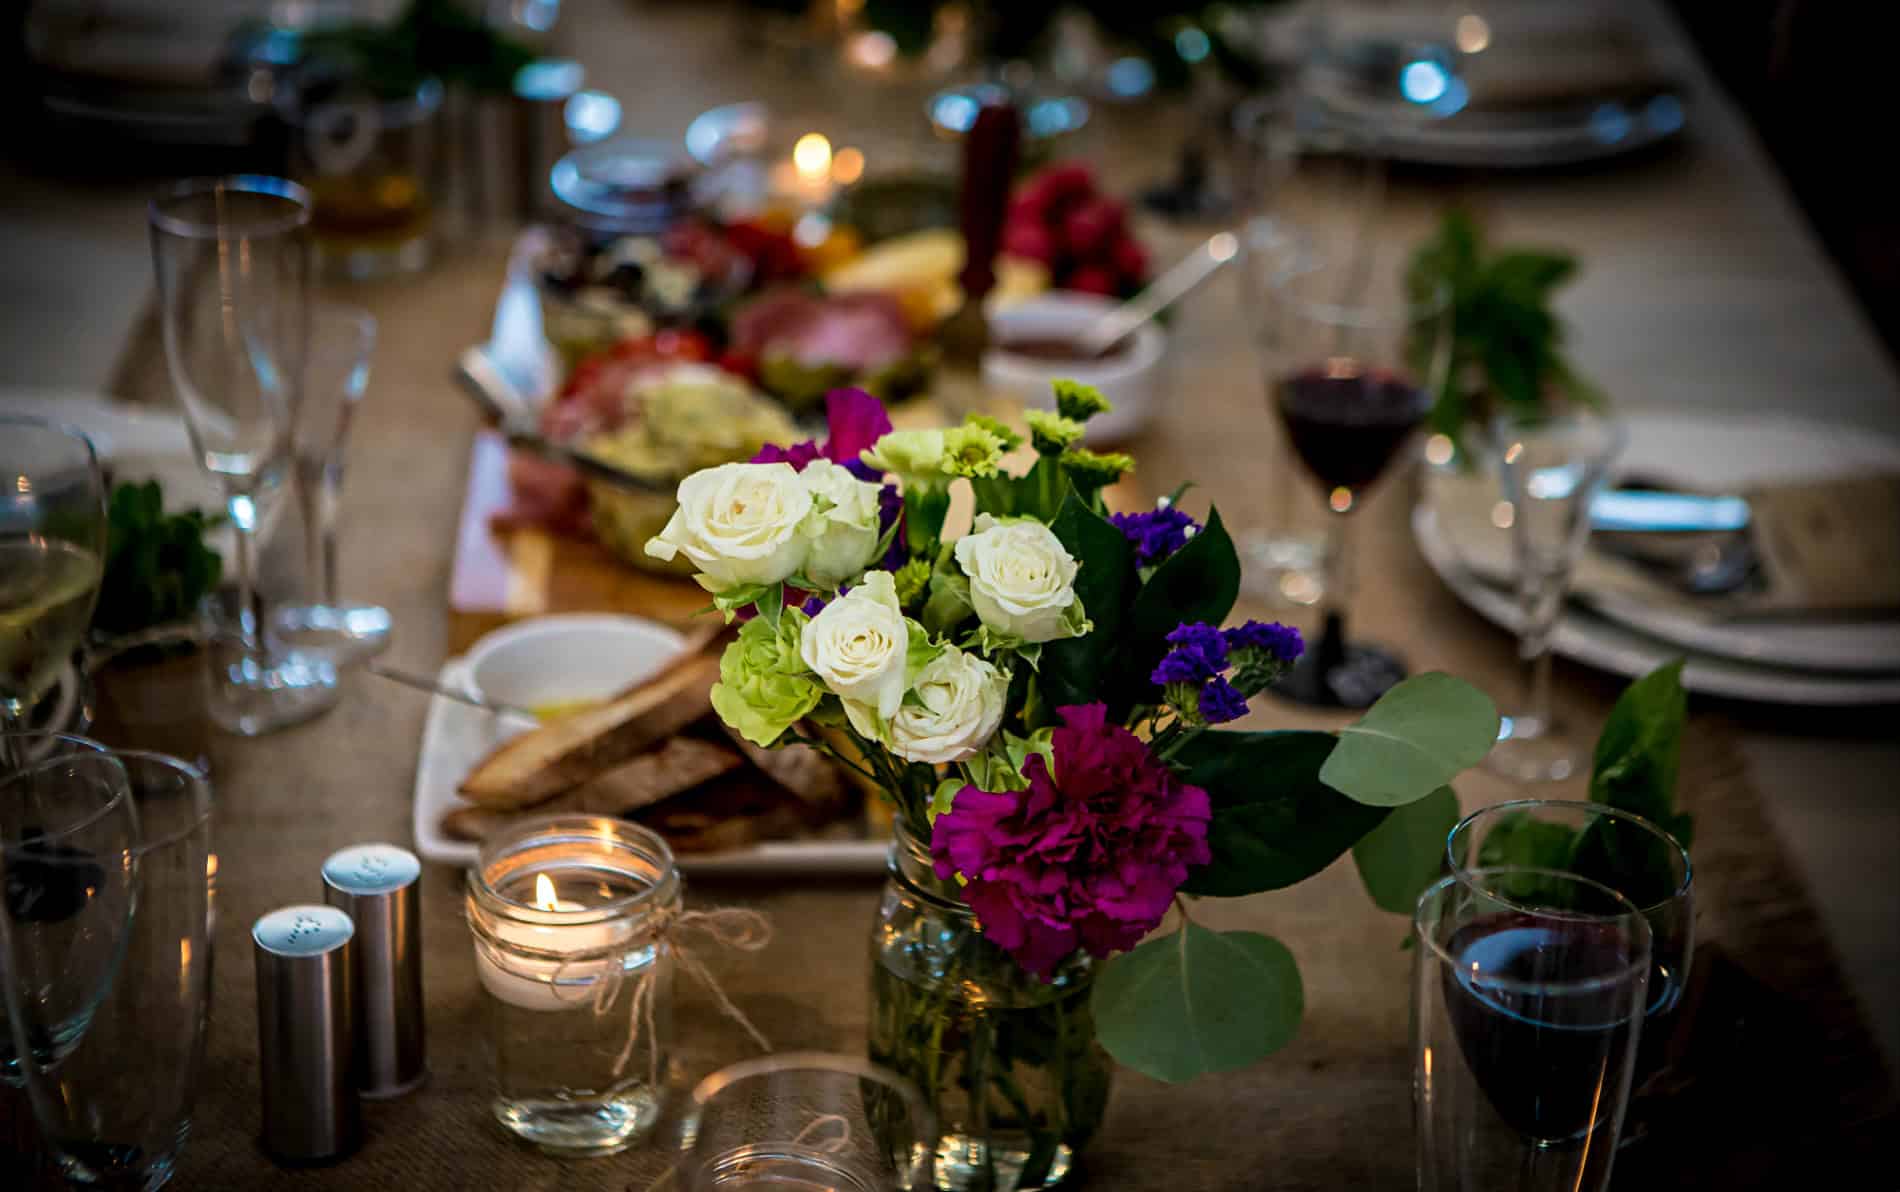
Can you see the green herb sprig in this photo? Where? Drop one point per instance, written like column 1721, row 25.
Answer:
column 157, row 565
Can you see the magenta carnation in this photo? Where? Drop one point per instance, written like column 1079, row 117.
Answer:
column 854, row 422
column 1089, row 856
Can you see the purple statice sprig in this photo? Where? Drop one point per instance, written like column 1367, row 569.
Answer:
column 1190, row 676
column 1261, row 652
column 1156, row 534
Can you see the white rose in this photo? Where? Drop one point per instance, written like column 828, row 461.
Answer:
column 858, row 643
column 958, row 704
column 1021, row 580
column 843, row 527
column 739, row 524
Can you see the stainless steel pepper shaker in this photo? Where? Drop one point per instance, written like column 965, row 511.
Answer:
column 305, row 1033
column 378, row 886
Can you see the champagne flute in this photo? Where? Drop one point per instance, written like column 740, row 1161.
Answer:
column 232, row 257
column 52, row 556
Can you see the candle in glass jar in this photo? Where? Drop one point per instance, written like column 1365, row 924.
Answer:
column 554, row 982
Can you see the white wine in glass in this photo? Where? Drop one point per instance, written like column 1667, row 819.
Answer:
column 52, row 551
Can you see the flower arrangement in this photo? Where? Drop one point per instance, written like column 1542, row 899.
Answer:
column 1040, row 690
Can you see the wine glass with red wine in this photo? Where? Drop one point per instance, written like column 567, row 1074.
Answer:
column 1354, row 361
column 1527, row 1007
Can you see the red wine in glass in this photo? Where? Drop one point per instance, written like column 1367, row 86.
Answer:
column 1347, row 423
column 1542, row 1009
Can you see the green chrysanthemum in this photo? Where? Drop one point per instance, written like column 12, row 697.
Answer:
column 1007, row 437
column 1080, row 402
column 1052, row 433
column 912, row 580
column 1096, row 469
column 971, row 451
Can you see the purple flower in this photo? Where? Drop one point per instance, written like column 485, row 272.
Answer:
column 890, row 509
column 1282, row 643
column 1200, row 652
column 1089, row 856
column 1157, row 534
column 814, row 604
column 1221, row 702
column 854, row 421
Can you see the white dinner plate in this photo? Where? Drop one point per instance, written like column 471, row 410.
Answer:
column 455, row 736
column 1586, row 636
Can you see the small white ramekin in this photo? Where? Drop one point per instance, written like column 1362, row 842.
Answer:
column 565, row 657
column 1131, row 380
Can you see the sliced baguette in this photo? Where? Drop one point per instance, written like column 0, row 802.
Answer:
column 562, row 754
column 679, row 765
column 800, row 769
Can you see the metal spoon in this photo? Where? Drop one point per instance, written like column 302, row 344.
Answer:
column 424, row 683
column 1164, row 291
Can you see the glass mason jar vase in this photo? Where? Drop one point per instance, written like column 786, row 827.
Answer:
column 570, row 916
column 1009, row 1063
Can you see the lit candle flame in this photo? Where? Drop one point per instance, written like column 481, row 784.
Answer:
column 811, row 156
column 544, row 898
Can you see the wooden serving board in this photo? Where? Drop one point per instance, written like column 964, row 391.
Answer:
column 502, row 577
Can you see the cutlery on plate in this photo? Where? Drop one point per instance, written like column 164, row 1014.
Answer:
column 501, row 400
column 425, row 683
column 1180, row 279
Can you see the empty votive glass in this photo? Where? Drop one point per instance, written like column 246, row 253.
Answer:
column 570, row 916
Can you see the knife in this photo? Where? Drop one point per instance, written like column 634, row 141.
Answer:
column 1653, row 511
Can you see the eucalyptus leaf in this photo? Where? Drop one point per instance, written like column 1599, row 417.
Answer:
column 1275, row 823
column 1406, row 853
column 1198, row 1001
column 1417, row 738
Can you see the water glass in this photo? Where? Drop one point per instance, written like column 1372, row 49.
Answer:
column 335, row 378
column 806, row 1120
column 116, row 1110
column 1527, row 1006
column 1552, row 466
column 52, row 552
column 68, row 830
column 232, row 257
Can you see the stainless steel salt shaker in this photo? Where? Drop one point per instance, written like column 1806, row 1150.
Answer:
column 305, row 1033
column 378, row 886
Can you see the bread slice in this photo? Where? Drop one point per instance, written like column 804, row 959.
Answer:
column 679, row 765
column 740, row 809
column 564, row 753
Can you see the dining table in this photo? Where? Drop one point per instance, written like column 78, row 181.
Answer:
column 1700, row 288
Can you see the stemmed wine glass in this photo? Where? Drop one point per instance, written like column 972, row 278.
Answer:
column 1353, row 361
column 335, row 378
column 232, row 257
column 1527, row 1008
column 1552, row 466
column 52, row 556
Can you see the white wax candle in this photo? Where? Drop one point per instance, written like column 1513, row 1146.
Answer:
column 531, row 983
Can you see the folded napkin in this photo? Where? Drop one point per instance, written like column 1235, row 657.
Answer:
column 1826, row 546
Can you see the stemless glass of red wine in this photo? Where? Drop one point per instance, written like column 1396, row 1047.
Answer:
column 1354, row 359
column 1527, row 1007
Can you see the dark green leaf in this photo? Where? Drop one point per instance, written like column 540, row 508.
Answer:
column 1406, row 853
column 1198, row 1001
column 1275, row 823
column 1073, row 668
column 1519, row 840
column 1640, row 750
column 1529, row 273
column 924, row 511
column 1197, row 583
column 1417, row 738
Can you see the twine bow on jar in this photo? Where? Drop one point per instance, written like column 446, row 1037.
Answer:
column 728, row 927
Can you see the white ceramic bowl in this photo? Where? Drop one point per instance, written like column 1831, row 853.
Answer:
column 567, row 657
column 1130, row 380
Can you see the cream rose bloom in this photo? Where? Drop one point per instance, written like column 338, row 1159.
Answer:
column 958, row 704
column 739, row 524
column 1022, row 581
column 843, row 527
column 858, row 644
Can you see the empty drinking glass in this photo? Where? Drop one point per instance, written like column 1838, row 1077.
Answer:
column 1552, row 467
column 68, row 830
column 1527, row 1005
column 335, row 377
column 806, row 1120
column 117, row 1109
column 232, row 257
